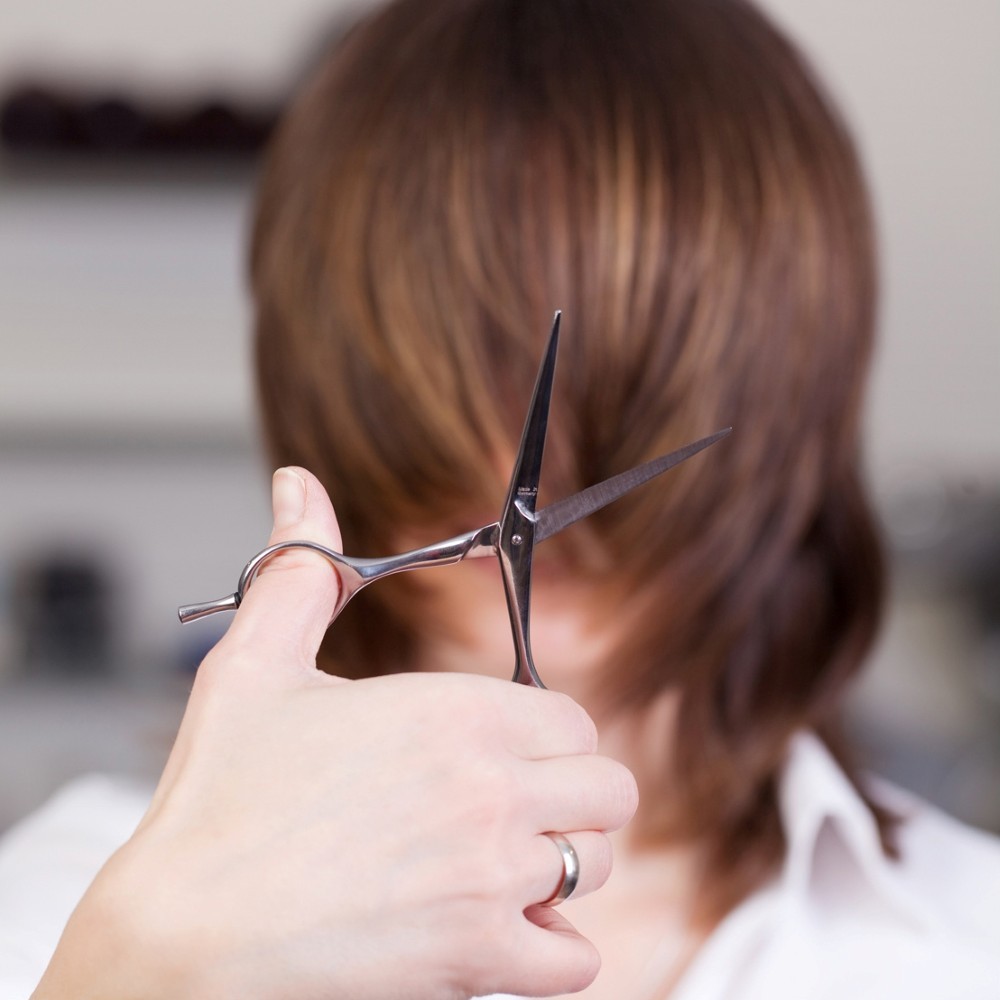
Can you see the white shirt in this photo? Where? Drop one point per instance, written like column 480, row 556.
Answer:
column 840, row 920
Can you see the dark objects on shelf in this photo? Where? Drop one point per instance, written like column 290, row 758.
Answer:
column 36, row 119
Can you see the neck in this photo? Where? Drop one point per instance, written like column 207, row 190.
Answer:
column 641, row 740
column 642, row 919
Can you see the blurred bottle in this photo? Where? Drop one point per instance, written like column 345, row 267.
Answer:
column 61, row 616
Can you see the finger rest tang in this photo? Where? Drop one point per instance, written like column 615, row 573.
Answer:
column 192, row 612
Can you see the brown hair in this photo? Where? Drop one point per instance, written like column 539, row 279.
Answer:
column 670, row 176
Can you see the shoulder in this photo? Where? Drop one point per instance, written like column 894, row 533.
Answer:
column 952, row 868
column 48, row 860
column 926, row 924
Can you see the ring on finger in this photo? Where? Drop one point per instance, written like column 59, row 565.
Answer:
column 570, row 873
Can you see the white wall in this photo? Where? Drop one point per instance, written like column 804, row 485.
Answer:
column 920, row 82
column 181, row 47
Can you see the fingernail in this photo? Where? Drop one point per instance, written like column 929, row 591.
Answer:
column 288, row 498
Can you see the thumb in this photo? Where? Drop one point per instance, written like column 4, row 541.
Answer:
column 287, row 609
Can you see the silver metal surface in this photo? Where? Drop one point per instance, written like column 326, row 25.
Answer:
column 355, row 573
column 517, row 522
column 571, row 870
column 552, row 519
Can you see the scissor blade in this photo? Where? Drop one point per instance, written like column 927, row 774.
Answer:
column 528, row 465
column 561, row 514
column 517, row 523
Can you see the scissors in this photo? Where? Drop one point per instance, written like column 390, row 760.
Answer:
column 511, row 539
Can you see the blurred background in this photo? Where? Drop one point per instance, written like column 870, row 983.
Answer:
column 130, row 477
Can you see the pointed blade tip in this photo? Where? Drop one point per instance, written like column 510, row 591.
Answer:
column 556, row 322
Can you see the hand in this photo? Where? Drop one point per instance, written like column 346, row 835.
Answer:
column 314, row 838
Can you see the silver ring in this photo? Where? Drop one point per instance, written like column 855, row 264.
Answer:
column 570, row 873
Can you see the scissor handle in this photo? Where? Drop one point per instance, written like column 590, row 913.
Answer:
column 354, row 573
column 351, row 580
column 515, row 549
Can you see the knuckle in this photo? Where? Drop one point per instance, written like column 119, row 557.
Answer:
column 580, row 725
column 492, row 799
column 460, row 703
column 229, row 659
column 481, row 883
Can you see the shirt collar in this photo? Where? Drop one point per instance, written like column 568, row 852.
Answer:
column 833, row 844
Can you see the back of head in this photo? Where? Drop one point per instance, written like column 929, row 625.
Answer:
column 668, row 174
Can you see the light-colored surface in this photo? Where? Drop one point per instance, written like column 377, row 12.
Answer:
column 51, row 732
column 839, row 922
column 182, row 47
column 920, row 83
column 123, row 308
